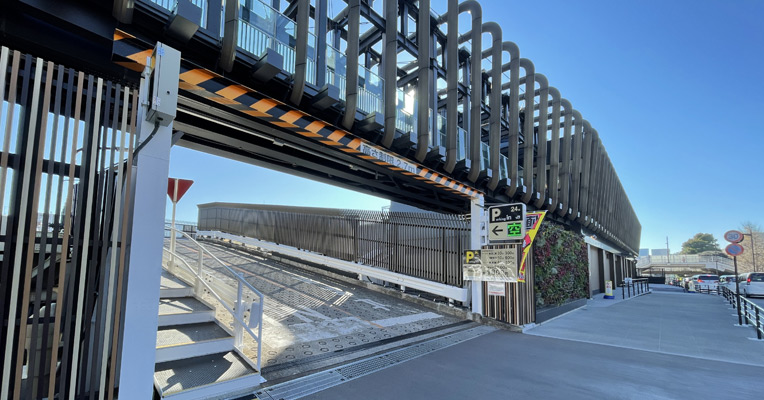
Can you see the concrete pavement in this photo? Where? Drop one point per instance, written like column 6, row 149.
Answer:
column 505, row 365
column 688, row 324
column 664, row 345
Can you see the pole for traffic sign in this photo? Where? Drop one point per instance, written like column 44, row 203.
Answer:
column 737, row 293
column 172, row 230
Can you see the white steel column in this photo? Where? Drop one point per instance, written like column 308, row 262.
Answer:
column 151, row 171
column 477, row 238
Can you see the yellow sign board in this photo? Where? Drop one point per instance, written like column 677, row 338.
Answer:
column 494, row 263
column 532, row 225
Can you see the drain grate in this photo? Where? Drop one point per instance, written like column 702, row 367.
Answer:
column 323, row 380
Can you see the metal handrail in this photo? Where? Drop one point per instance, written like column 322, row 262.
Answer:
column 237, row 316
column 236, row 274
column 238, row 311
column 634, row 285
column 747, row 311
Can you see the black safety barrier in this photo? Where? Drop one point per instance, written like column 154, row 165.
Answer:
column 634, row 287
column 747, row 311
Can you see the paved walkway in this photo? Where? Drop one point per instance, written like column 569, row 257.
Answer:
column 663, row 345
column 671, row 322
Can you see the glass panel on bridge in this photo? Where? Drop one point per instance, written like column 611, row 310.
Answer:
column 404, row 112
column 336, row 70
column 170, row 5
column 441, row 137
column 485, row 159
column 503, row 166
column 370, row 91
column 461, row 143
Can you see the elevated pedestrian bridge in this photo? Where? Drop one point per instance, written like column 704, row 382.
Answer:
column 377, row 97
column 684, row 265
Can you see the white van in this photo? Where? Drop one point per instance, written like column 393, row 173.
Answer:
column 752, row 284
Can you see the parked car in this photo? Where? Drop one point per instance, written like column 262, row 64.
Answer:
column 706, row 282
column 751, row 284
column 727, row 280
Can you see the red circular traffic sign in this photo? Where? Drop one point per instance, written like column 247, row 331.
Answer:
column 734, row 249
column 733, row 236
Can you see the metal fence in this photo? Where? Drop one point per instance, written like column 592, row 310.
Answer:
column 748, row 312
column 182, row 226
column 423, row 245
column 634, row 287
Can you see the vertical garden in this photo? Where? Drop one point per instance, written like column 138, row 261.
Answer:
column 561, row 266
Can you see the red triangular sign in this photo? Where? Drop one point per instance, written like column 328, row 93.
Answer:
column 182, row 186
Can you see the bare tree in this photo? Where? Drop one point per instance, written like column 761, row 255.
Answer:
column 753, row 240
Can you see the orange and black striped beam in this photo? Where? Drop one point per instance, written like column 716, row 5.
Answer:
column 132, row 53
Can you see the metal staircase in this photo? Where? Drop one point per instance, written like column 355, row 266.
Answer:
column 199, row 356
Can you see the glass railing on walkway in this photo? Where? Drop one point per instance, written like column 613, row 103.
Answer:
column 262, row 27
column 503, row 167
column 485, row 159
column 439, row 138
column 336, row 70
column 405, row 114
column 170, row 5
column 371, row 90
column 370, row 85
column 406, row 120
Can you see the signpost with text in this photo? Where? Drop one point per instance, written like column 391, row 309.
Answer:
column 506, row 223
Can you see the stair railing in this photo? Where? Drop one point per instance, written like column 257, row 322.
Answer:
column 222, row 291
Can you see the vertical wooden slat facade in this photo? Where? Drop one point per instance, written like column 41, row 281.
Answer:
column 65, row 196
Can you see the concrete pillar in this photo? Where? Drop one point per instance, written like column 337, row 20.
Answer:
column 151, row 168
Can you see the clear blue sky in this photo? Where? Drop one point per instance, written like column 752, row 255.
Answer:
column 674, row 89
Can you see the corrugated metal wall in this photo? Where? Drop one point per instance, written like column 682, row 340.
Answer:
column 67, row 141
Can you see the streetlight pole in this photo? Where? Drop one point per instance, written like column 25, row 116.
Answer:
column 753, row 247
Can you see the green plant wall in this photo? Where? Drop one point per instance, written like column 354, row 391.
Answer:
column 561, row 266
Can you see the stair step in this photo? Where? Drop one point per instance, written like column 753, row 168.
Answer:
column 184, row 310
column 172, row 286
column 217, row 375
column 191, row 340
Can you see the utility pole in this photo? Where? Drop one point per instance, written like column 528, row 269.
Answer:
column 668, row 252
column 716, row 260
column 753, row 248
